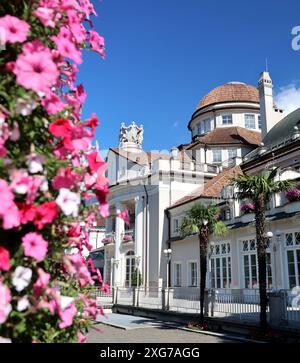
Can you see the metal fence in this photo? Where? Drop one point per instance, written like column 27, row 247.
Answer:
column 292, row 308
column 232, row 304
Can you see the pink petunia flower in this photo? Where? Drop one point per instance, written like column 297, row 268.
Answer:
column 4, row 259
column 41, row 283
column 125, row 216
column 52, row 103
column 46, row 16
column 67, row 49
column 16, row 30
column 97, row 43
column 35, row 246
column 36, row 71
column 8, row 209
column 81, row 338
column 65, row 179
column 67, row 315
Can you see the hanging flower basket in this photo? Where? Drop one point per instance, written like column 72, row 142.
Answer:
column 127, row 238
column 293, row 195
column 247, row 208
column 107, row 240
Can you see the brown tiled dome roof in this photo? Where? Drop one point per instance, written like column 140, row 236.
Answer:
column 233, row 91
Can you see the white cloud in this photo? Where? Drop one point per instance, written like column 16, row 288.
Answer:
column 288, row 97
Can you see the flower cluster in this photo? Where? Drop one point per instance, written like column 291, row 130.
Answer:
column 127, row 238
column 293, row 195
column 49, row 172
column 247, row 208
column 107, row 240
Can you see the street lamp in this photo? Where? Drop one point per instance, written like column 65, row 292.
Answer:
column 168, row 253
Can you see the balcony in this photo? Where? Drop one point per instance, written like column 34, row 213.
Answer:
column 109, row 239
column 128, row 236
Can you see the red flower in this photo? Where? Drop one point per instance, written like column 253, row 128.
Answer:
column 27, row 212
column 95, row 161
column 61, row 128
column 93, row 122
column 4, row 259
column 45, row 213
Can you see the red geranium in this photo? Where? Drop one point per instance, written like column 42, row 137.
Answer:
column 45, row 213
column 4, row 259
column 61, row 128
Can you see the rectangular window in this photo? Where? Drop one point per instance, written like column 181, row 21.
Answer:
column 259, row 122
column 220, row 266
column 251, row 265
column 175, row 225
column 206, row 124
column 193, row 274
column 249, row 121
column 177, row 274
column 227, row 119
column 291, row 269
column 217, row 156
column 232, row 153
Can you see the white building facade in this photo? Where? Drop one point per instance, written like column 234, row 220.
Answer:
column 158, row 189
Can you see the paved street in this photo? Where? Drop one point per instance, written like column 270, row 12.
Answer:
column 142, row 330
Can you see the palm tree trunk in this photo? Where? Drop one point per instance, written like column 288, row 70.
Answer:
column 203, row 244
column 262, row 260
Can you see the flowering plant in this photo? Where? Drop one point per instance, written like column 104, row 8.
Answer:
column 49, row 171
column 127, row 238
column 293, row 195
column 107, row 240
column 247, row 208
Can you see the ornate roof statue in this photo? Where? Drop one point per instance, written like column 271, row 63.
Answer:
column 131, row 136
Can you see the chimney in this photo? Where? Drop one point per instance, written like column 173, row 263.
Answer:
column 265, row 87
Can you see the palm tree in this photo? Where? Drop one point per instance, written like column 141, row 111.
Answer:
column 203, row 220
column 259, row 189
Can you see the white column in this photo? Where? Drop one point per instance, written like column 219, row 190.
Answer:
column 118, row 239
column 139, row 210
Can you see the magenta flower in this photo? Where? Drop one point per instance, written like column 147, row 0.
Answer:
column 247, row 208
column 8, row 209
column 15, row 30
column 36, row 71
column 97, row 43
column 125, row 216
column 293, row 195
column 127, row 238
column 35, row 246
column 67, row 48
column 41, row 283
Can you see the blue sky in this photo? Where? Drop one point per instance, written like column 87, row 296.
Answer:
column 162, row 56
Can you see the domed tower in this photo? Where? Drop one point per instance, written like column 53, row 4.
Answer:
column 226, row 124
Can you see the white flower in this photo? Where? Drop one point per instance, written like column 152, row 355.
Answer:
column 21, row 277
column 5, row 340
column 68, row 202
column 23, row 304
column 25, row 107
column 44, row 186
column 35, row 163
column 65, row 301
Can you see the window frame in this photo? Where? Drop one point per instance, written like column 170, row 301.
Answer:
column 230, row 116
column 190, row 277
column 252, row 115
column 213, row 156
column 175, row 276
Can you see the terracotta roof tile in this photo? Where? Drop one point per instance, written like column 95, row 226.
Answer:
column 212, row 188
column 230, row 92
column 228, row 135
